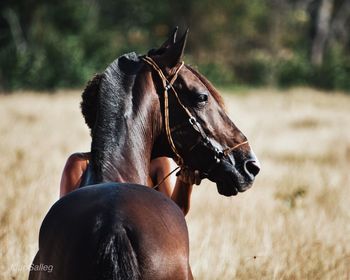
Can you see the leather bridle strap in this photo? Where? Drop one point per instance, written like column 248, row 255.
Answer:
column 168, row 85
column 227, row 151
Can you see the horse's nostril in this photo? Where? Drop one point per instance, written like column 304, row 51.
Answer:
column 252, row 167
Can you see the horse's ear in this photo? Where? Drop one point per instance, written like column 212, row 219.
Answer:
column 171, row 40
column 173, row 55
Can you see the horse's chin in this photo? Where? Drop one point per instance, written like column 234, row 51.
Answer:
column 229, row 180
column 230, row 189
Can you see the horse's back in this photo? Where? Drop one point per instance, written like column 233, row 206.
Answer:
column 114, row 231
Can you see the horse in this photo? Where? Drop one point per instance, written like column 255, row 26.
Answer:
column 142, row 107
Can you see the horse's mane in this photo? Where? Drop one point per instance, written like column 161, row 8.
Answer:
column 106, row 100
column 89, row 101
column 218, row 98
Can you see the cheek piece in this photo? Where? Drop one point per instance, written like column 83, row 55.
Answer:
column 204, row 141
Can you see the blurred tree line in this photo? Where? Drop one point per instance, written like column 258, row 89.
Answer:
column 52, row 44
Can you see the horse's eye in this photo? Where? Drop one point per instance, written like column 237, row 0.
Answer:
column 200, row 99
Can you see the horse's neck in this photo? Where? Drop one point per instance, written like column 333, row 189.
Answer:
column 123, row 138
column 132, row 160
column 125, row 158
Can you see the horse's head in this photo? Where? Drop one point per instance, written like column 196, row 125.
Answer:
column 197, row 130
column 154, row 105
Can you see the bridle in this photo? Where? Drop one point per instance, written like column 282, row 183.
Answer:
column 192, row 121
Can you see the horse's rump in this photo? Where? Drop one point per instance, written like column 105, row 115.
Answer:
column 114, row 231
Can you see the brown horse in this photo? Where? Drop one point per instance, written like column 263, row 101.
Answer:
column 145, row 107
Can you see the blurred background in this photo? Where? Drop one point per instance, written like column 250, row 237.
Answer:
column 283, row 68
column 60, row 44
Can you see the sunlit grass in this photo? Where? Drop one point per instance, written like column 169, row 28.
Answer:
column 293, row 224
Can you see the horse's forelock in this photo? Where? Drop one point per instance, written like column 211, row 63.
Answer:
column 89, row 102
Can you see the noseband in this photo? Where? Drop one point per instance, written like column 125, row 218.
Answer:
column 192, row 121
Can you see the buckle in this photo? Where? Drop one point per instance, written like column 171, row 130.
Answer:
column 167, row 87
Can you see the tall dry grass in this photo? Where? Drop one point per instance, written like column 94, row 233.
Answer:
column 293, row 224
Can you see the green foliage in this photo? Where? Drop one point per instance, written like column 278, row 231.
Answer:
column 54, row 44
column 218, row 73
column 256, row 70
column 334, row 72
column 62, row 49
column 294, row 71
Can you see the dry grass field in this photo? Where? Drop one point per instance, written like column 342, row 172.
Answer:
column 293, row 224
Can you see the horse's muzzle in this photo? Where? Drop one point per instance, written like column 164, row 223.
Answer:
column 238, row 176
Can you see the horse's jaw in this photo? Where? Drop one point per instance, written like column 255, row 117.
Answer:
column 229, row 179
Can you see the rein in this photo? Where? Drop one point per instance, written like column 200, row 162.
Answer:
column 167, row 85
column 166, row 177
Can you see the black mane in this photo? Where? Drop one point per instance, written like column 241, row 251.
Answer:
column 111, row 95
column 89, row 100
